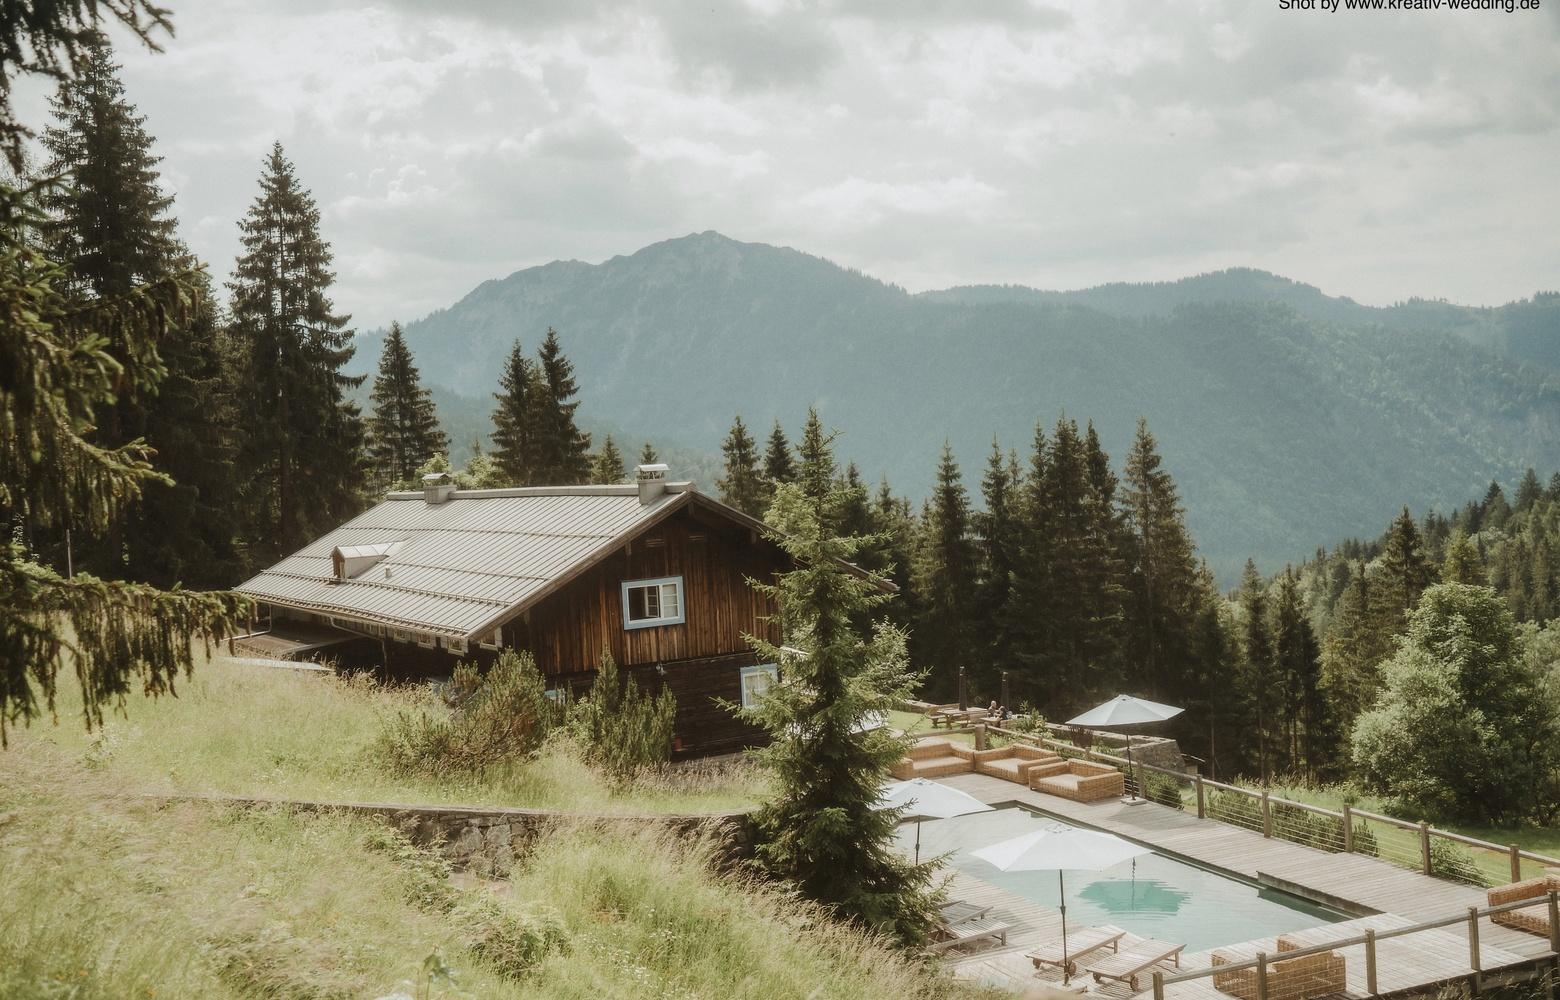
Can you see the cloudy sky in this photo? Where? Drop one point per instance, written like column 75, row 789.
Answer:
column 926, row 142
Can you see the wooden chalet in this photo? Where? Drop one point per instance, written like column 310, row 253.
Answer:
column 654, row 573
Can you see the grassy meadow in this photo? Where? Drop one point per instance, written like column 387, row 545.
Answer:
column 241, row 729
column 108, row 896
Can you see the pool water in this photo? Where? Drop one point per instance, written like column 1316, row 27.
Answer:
column 1151, row 896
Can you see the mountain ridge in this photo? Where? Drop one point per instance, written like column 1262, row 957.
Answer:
column 1287, row 416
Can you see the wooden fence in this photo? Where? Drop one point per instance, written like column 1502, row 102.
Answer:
column 1416, row 846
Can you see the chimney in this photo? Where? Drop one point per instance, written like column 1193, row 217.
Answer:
column 437, row 487
column 651, row 480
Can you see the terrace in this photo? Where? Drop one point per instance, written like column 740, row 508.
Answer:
column 1403, row 929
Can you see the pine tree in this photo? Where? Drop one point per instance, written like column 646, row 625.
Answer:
column 607, row 467
column 1258, row 678
column 303, row 439
column 514, row 420
column 816, row 470
column 1404, row 574
column 647, row 455
column 1529, row 491
column 1216, row 698
column 996, row 532
column 945, row 578
column 820, row 832
column 1297, row 671
column 1494, row 510
column 112, row 222
column 743, row 487
column 1163, row 570
column 1030, row 597
column 1352, row 654
column 404, row 427
column 56, row 375
column 1463, row 563
column 778, row 465
column 562, row 449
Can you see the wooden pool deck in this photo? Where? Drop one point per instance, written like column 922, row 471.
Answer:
column 1383, row 896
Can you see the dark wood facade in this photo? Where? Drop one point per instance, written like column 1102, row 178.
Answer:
column 700, row 659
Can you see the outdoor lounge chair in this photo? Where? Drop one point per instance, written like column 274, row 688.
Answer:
column 1078, row 780
column 1533, row 919
column 1132, row 961
column 933, row 759
column 1013, row 763
column 966, row 931
column 1287, row 979
column 1080, row 944
column 957, row 911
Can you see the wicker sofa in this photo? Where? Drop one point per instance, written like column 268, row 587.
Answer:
column 1533, row 919
column 934, row 759
column 1287, row 979
column 1079, row 780
column 1012, row 763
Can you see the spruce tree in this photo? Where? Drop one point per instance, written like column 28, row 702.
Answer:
column 56, row 376
column 514, row 420
column 112, row 222
column 404, row 427
column 1403, row 575
column 821, row 831
column 816, row 468
column 562, row 449
column 1529, row 491
column 778, row 465
column 1026, row 618
column 1297, row 671
column 303, row 439
column 945, row 578
column 1463, row 564
column 1258, row 679
column 996, row 532
column 1163, row 570
column 647, row 455
column 608, row 466
column 742, row 487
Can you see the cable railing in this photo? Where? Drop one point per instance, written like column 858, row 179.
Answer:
column 1415, row 846
column 1262, row 966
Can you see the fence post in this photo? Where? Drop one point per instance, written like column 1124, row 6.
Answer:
column 1159, row 985
column 980, row 736
column 1554, row 923
column 1424, row 846
column 1473, row 943
column 1262, row 983
column 1370, row 961
column 1516, row 862
column 1267, row 815
column 1348, row 829
column 1202, row 809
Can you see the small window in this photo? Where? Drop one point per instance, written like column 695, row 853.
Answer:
column 491, row 640
column 426, row 640
column 400, row 635
column 652, row 602
column 456, row 646
column 756, row 682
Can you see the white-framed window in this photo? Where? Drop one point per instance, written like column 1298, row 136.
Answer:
column 756, row 680
column 491, row 640
column 456, row 646
column 400, row 635
column 426, row 640
column 653, row 602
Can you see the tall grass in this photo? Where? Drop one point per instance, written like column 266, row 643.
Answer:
column 103, row 896
column 246, row 730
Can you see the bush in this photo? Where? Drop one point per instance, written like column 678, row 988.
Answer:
column 499, row 718
column 622, row 729
column 1236, row 809
column 427, row 874
column 1449, row 860
column 1163, row 789
column 511, row 943
column 1365, row 840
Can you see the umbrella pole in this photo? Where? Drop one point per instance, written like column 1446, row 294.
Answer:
column 918, row 840
column 1061, row 890
column 1131, row 767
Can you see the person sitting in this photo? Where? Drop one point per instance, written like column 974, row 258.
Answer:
column 995, row 711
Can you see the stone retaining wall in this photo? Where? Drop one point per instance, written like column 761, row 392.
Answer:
column 487, row 840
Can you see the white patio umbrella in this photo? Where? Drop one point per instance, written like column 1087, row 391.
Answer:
column 1060, row 848
column 923, row 799
column 1125, row 710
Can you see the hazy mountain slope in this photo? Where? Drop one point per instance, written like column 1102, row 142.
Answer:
column 1282, row 430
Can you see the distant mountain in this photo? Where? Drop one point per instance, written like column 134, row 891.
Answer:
column 1287, row 416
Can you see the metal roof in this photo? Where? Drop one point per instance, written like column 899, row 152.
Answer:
column 458, row 567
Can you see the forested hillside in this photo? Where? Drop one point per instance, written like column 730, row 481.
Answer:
column 1287, row 416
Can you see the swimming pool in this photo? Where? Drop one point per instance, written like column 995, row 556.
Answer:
column 1151, row 896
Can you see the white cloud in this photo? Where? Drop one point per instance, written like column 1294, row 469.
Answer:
column 928, row 142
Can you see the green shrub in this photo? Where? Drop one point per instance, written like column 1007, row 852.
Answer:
column 1162, row 788
column 1450, row 860
column 1365, row 840
column 1301, row 826
column 500, row 717
column 427, row 885
column 511, row 943
column 621, row 728
column 1236, row 809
